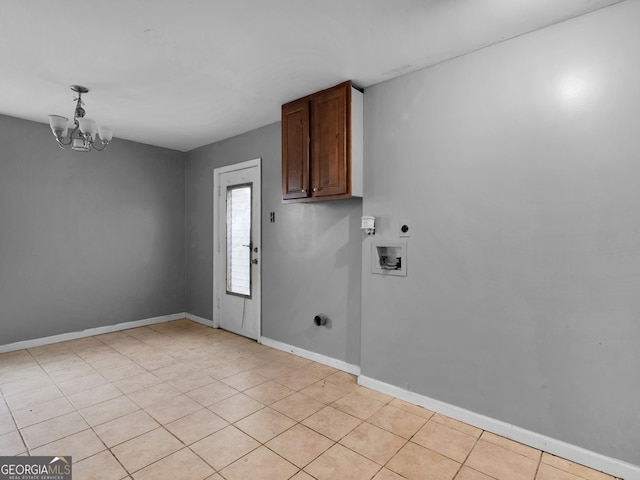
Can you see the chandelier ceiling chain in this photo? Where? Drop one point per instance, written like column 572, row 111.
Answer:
column 85, row 133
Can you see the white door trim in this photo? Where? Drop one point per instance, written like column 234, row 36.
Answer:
column 217, row 264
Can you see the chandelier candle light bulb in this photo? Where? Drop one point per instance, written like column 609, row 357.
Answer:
column 85, row 133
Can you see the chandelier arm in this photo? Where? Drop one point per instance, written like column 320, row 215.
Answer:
column 94, row 145
column 70, row 140
column 61, row 141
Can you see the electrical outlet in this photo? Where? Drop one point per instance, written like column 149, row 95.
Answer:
column 404, row 229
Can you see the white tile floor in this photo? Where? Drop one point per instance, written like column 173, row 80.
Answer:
column 181, row 400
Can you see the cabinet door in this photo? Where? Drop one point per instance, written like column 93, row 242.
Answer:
column 295, row 150
column 330, row 142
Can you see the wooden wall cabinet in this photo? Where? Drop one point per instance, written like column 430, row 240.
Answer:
column 322, row 146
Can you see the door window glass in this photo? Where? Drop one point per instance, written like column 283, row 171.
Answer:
column 239, row 240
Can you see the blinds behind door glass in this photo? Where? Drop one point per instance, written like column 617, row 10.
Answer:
column 239, row 240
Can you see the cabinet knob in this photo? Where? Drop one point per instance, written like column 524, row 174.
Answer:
column 303, row 190
column 315, row 189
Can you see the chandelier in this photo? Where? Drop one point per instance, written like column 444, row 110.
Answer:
column 84, row 136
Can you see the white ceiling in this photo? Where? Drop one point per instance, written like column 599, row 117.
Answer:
column 185, row 73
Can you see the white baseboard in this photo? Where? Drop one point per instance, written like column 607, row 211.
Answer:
column 316, row 357
column 63, row 337
column 195, row 318
column 594, row 460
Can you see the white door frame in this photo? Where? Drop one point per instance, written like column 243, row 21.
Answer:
column 219, row 286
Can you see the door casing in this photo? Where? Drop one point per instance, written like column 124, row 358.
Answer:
column 219, row 267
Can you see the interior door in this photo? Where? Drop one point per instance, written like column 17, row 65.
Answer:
column 237, row 248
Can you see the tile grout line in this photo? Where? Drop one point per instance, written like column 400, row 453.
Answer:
column 297, row 422
column 185, row 445
column 28, row 449
column 24, row 443
column 535, row 475
column 463, row 463
column 161, row 425
column 90, row 427
column 76, row 409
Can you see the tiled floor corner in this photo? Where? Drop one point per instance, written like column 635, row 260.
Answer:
column 148, row 402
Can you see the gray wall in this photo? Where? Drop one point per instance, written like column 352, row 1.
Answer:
column 310, row 255
column 518, row 166
column 86, row 239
